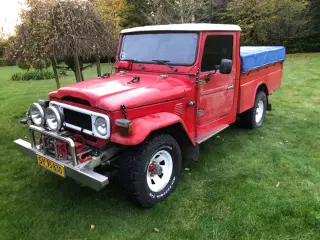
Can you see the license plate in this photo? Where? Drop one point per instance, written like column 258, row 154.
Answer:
column 52, row 166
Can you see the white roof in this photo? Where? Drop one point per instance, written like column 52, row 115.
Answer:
column 189, row 27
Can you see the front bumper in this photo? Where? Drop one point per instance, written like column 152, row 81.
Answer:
column 82, row 175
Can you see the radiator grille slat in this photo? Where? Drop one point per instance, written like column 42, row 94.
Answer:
column 78, row 119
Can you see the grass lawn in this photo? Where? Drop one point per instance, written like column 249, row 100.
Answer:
column 261, row 184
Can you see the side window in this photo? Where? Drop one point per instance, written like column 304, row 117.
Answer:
column 216, row 48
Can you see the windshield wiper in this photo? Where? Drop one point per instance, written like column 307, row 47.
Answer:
column 166, row 62
column 136, row 62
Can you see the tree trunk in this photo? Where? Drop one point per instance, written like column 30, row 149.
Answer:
column 82, row 78
column 55, row 72
column 98, row 68
column 193, row 18
column 77, row 70
column 181, row 11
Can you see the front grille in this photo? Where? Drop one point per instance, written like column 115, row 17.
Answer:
column 78, row 119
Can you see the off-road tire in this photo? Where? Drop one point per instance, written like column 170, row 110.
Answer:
column 248, row 118
column 134, row 167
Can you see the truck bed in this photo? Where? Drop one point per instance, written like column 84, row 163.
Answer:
column 256, row 57
column 260, row 67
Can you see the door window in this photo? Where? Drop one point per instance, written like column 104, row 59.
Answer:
column 216, row 48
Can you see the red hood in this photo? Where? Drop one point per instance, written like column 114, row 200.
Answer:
column 112, row 92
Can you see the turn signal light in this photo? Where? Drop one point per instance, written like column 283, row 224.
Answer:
column 124, row 127
column 126, row 65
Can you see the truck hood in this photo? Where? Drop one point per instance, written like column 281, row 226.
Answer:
column 111, row 93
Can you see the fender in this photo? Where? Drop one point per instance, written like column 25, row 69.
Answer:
column 143, row 126
column 249, row 89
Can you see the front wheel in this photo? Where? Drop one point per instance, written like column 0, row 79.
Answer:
column 255, row 116
column 151, row 172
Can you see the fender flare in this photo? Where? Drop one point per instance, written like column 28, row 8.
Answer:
column 143, row 126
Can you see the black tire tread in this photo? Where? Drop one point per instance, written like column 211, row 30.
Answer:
column 248, row 117
column 130, row 169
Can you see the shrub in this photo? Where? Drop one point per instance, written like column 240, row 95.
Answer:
column 32, row 75
column 5, row 62
column 24, row 65
column 63, row 73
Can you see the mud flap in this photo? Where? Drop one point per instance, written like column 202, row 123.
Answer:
column 269, row 107
column 191, row 152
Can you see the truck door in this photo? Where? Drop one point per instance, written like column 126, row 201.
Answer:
column 216, row 91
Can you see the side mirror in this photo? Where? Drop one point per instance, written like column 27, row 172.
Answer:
column 225, row 66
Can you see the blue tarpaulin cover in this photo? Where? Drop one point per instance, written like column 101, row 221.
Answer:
column 255, row 57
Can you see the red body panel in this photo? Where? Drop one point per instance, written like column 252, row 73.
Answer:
column 249, row 82
column 110, row 93
column 221, row 112
column 143, row 126
column 162, row 97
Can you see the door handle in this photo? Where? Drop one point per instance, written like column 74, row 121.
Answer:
column 230, row 87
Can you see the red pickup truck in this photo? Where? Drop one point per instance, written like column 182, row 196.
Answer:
column 174, row 87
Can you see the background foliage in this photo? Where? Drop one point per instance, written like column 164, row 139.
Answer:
column 90, row 28
column 293, row 23
column 59, row 29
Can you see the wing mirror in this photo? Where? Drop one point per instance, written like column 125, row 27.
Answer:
column 225, row 66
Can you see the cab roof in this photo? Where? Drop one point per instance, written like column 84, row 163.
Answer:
column 185, row 27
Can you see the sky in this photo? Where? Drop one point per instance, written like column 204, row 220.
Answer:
column 9, row 14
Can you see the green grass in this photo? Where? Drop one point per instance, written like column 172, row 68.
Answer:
column 261, row 184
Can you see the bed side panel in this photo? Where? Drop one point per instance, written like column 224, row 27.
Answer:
column 249, row 83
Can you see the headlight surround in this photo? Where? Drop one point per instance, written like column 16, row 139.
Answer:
column 37, row 114
column 54, row 118
column 101, row 126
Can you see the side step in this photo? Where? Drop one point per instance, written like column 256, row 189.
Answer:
column 206, row 136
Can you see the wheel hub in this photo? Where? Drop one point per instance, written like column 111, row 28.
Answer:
column 259, row 111
column 159, row 170
column 155, row 169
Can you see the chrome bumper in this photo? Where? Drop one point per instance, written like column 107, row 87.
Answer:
column 84, row 176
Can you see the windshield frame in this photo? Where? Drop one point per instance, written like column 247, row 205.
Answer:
column 162, row 32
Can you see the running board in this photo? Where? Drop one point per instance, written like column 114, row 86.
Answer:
column 208, row 135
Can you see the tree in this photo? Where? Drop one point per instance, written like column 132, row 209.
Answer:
column 2, row 34
column 134, row 12
column 269, row 22
column 61, row 29
column 110, row 13
column 146, row 12
column 315, row 14
column 3, row 46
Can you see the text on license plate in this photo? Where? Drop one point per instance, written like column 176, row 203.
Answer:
column 53, row 167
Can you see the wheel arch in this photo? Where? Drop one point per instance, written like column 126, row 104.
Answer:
column 262, row 87
column 151, row 124
column 248, row 95
column 189, row 149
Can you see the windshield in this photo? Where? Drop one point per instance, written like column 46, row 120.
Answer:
column 174, row 48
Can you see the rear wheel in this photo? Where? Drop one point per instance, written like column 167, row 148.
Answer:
column 255, row 116
column 151, row 172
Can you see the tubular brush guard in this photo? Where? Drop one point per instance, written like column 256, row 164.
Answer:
column 73, row 170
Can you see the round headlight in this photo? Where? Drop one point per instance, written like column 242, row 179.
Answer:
column 101, row 126
column 54, row 119
column 37, row 114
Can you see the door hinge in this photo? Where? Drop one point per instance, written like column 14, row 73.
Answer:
column 199, row 112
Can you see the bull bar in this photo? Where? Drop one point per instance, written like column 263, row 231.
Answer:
column 84, row 176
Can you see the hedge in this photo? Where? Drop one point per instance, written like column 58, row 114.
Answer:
column 5, row 62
